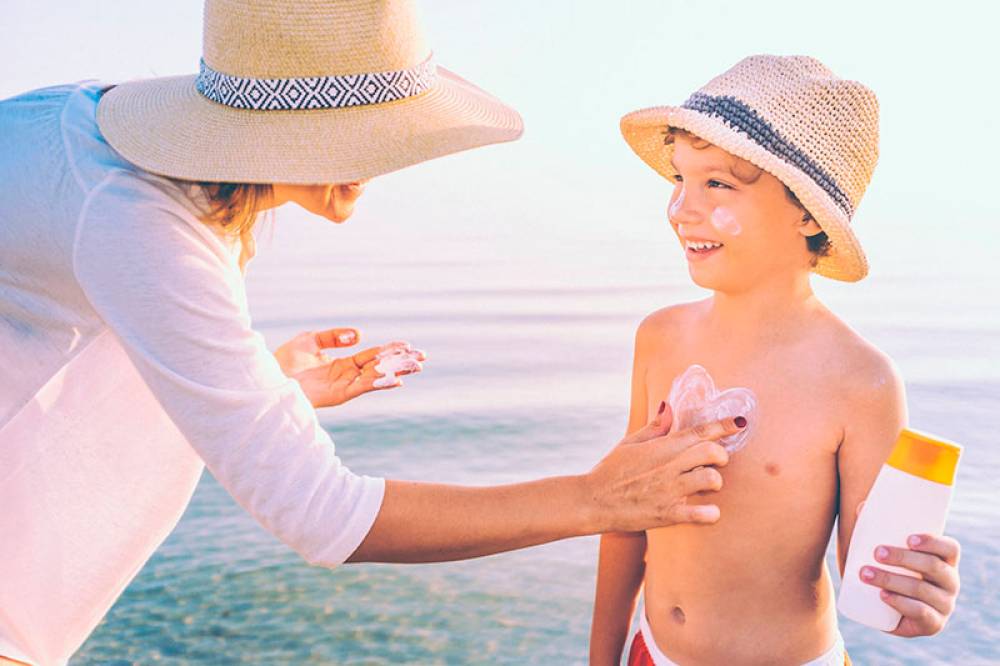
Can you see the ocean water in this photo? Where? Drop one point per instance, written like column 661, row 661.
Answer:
column 530, row 350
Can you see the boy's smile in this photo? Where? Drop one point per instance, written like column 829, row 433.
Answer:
column 700, row 249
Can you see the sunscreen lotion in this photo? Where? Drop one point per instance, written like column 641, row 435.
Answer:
column 910, row 496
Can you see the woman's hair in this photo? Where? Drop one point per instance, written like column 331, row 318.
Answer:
column 819, row 245
column 234, row 207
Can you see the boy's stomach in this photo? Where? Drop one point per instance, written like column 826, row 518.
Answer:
column 752, row 589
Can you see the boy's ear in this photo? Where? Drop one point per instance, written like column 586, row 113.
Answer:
column 808, row 226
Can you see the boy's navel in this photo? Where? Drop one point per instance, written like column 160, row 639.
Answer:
column 678, row 614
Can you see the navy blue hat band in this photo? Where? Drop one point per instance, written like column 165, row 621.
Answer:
column 744, row 119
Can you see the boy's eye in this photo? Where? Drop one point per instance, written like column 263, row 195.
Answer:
column 718, row 184
column 678, row 178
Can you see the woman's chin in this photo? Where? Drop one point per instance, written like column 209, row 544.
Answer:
column 339, row 215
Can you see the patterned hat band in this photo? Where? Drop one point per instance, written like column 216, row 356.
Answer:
column 744, row 119
column 319, row 92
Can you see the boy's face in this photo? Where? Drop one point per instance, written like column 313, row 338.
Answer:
column 735, row 234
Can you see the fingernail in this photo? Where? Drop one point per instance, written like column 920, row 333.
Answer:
column 346, row 337
column 885, row 594
column 914, row 541
column 663, row 406
column 741, row 422
column 882, row 553
column 867, row 574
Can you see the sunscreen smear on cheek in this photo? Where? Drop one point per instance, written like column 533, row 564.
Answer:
column 724, row 220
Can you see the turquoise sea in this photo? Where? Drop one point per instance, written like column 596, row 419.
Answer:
column 530, row 346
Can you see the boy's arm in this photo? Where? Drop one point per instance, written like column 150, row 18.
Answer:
column 620, row 572
column 926, row 598
column 877, row 414
column 621, row 565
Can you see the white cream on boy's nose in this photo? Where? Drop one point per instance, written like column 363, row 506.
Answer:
column 724, row 220
column 676, row 205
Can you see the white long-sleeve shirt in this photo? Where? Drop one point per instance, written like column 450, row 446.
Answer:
column 127, row 363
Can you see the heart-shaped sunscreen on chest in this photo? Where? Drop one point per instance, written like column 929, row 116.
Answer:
column 694, row 401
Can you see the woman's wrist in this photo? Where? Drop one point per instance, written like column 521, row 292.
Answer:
column 592, row 515
column 582, row 515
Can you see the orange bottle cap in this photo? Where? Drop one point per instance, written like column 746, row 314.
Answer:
column 926, row 456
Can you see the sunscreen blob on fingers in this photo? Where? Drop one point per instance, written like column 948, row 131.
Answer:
column 695, row 401
column 396, row 358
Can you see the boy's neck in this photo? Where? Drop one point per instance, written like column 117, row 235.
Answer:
column 766, row 307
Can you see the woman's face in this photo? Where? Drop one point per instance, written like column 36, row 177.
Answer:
column 334, row 202
column 734, row 234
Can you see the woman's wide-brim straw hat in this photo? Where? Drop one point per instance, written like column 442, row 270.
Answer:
column 794, row 118
column 305, row 92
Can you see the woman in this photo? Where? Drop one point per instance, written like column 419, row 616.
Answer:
column 128, row 361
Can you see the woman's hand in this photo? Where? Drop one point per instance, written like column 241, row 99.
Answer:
column 927, row 600
column 328, row 382
column 646, row 480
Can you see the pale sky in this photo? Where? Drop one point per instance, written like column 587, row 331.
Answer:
column 574, row 68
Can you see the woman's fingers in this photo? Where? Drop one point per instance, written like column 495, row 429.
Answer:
column 399, row 350
column 336, row 337
column 700, row 480
column 670, row 447
column 657, row 427
column 703, row 453
column 380, row 368
column 331, row 383
column 367, row 357
column 714, row 431
column 702, row 514
column 367, row 383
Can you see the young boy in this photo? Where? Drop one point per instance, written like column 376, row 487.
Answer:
column 770, row 159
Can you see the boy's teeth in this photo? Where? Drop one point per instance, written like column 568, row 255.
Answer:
column 703, row 246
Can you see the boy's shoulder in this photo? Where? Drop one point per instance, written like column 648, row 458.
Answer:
column 861, row 387
column 853, row 361
column 673, row 320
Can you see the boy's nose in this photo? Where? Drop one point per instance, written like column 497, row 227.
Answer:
column 685, row 208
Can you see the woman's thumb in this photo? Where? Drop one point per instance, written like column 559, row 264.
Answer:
column 337, row 337
column 658, row 427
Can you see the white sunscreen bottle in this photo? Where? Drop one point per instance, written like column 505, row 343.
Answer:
column 910, row 496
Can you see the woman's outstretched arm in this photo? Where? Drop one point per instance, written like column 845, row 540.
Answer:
column 643, row 483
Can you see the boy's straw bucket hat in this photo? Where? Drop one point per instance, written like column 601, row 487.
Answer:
column 792, row 117
column 304, row 92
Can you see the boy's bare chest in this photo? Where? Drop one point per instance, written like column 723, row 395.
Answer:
column 796, row 427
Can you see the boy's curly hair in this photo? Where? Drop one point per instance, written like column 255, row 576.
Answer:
column 819, row 245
